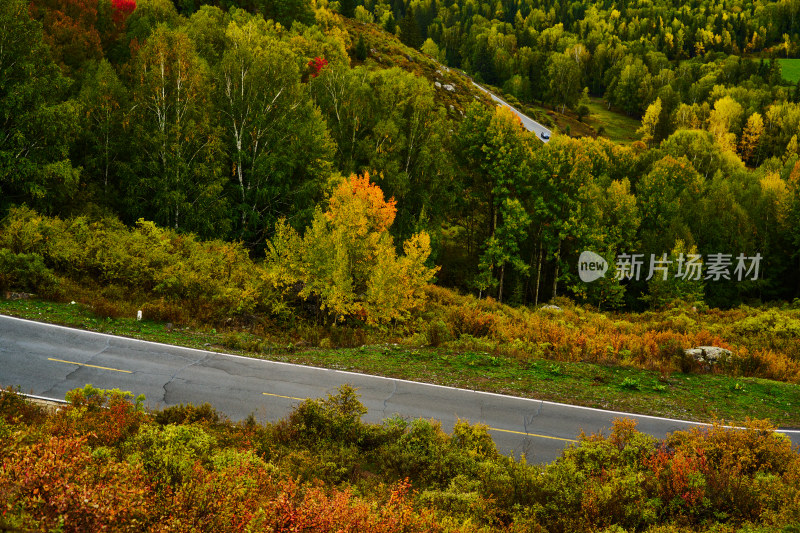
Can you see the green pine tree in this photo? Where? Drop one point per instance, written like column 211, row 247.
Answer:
column 361, row 49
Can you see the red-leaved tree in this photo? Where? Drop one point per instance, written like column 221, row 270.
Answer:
column 122, row 10
column 316, row 65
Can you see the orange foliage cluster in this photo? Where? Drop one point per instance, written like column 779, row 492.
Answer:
column 70, row 28
column 323, row 470
column 71, row 474
column 651, row 341
column 362, row 202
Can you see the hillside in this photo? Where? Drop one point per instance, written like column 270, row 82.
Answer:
column 319, row 182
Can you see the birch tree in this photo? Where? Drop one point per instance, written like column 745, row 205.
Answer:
column 276, row 141
column 180, row 182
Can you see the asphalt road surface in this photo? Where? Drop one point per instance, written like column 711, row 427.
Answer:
column 48, row 361
column 527, row 122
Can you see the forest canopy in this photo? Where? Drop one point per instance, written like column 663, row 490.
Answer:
column 235, row 120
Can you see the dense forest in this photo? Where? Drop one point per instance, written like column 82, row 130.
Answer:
column 239, row 121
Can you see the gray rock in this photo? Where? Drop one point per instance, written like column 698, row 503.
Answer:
column 450, row 88
column 551, row 307
column 18, row 295
column 437, row 84
column 709, row 355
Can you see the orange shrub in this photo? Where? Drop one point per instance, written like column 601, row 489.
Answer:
column 777, row 365
column 108, row 417
column 471, row 321
column 58, row 479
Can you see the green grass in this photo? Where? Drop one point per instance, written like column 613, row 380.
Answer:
column 700, row 397
column 618, row 127
column 790, row 69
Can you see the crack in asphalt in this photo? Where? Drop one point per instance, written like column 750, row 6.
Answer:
column 528, row 419
column 386, row 401
column 78, row 367
column 181, row 369
column 89, row 360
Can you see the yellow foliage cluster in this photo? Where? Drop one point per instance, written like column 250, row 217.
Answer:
column 346, row 260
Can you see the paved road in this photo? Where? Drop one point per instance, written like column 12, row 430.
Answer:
column 49, row 360
column 528, row 122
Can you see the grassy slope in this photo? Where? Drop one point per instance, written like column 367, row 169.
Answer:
column 702, row 397
column 387, row 51
column 619, row 127
column 790, row 69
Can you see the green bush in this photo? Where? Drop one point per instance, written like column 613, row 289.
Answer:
column 437, row 333
column 335, row 418
column 169, row 453
column 772, row 323
column 158, row 262
column 189, row 414
column 426, row 454
column 26, row 272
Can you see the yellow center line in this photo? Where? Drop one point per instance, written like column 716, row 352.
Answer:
column 532, row 435
column 90, row 366
column 282, row 396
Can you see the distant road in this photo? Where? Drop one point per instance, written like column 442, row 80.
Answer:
column 528, row 122
column 48, row 361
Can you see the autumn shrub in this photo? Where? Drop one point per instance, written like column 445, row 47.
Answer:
column 437, row 333
column 104, row 308
column 769, row 364
column 347, row 336
column 471, row 321
column 672, row 351
column 203, row 414
column 510, row 485
column 314, row 509
column 473, row 439
column 157, row 262
column 108, row 417
column 771, row 322
column 230, row 496
column 332, row 463
column 62, row 487
column 161, row 310
column 194, row 474
column 462, row 499
column 169, row 453
column 730, row 466
column 425, row 453
column 16, row 409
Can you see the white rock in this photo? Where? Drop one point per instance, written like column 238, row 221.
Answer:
column 551, row 307
column 709, row 355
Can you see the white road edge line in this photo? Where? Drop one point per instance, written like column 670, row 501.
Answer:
column 594, row 409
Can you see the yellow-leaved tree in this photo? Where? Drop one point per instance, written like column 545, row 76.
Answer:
column 346, row 260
